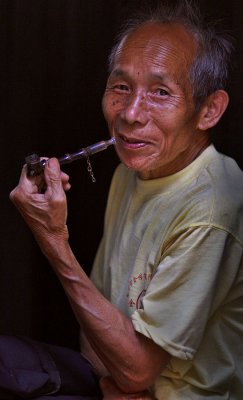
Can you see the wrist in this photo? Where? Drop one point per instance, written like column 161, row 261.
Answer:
column 52, row 244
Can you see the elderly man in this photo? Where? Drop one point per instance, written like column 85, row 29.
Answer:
column 163, row 306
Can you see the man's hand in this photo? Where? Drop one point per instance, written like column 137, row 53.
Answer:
column 111, row 392
column 133, row 360
column 44, row 210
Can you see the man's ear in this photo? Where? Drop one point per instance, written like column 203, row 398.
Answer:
column 213, row 109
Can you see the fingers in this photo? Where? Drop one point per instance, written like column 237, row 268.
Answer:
column 112, row 392
column 107, row 385
column 109, row 389
column 56, row 180
column 24, row 187
column 65, row 181
column 52, row 174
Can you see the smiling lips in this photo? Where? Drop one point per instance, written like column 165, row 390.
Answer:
column 132, row 143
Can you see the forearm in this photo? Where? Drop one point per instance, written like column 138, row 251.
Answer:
column 110, row 333
column 112, row 392
column 133, row 361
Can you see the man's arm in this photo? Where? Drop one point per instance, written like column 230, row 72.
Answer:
column 133, row 360
column 111, row 392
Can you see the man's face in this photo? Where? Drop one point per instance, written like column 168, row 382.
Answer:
column 148, row 101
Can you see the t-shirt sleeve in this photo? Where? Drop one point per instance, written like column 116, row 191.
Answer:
column 192, row 280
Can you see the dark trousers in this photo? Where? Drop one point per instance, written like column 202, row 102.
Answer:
column 34, row 370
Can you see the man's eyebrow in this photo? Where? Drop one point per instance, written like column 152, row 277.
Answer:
column 153, row 75
column 164, row 78
column 159, row 76
column 116, row 73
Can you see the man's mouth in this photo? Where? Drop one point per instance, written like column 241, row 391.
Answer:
column 132, row 142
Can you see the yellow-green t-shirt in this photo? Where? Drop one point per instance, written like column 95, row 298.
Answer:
column 171, row 260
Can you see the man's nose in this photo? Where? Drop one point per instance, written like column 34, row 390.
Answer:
column 135, row 109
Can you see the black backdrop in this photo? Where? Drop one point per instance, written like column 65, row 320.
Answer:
column 52, row 74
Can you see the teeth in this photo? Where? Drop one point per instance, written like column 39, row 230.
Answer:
column 129, row 141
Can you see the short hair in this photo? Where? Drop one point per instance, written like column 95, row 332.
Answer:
column 210, row 69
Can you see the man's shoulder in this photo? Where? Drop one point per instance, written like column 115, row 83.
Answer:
column 218, row 194
column 226, row 180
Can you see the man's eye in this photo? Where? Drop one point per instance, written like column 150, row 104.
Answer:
column 121, row 88
column 161, row 92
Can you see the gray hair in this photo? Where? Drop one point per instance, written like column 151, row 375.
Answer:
column 210, row 69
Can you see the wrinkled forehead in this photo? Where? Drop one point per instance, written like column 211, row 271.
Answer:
column 158, row 40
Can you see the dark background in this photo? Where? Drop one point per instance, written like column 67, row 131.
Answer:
column 52, row 75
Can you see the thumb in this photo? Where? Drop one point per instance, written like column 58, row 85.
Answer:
column 111, row 392
column 52, row 173
column 108, row 386
column 106, row 383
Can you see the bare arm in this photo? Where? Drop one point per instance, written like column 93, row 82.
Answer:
column 111, row 392
column 133, row 361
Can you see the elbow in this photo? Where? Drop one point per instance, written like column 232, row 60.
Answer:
column 139, row 370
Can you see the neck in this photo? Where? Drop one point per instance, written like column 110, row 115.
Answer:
column 181, row 161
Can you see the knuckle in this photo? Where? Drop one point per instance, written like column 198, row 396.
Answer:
column 16, row 195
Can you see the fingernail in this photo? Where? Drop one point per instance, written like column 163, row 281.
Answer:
column 53, row 165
